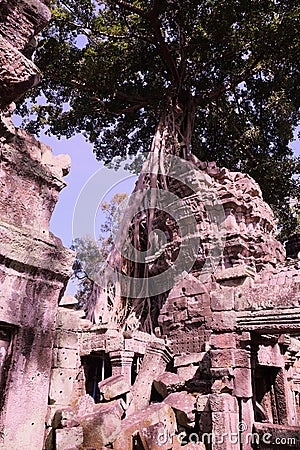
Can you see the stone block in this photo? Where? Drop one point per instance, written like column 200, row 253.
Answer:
column 83, row 405
column 66, row 358
column 168, row 382
column 242, row 382
column 121, row 364
column 68, row 438
column 223, row 340
column 270, row 356
column 187, row 372
column 66, row 339
column 113, row 387
column 102, row 426
column 184, row 405
column 190, row 358
column 222, row 300
column 179, row 303
column 233, row 273
column 154, row 364
column 222, row 321
column 17, row 73
column 61, row 385
column 153, row 414
column 222, row 358
column 223, row 403
column 178, row 445
column 242, row 358
column 196, row 310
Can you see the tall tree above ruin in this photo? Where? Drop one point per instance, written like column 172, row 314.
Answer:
column 225, row 73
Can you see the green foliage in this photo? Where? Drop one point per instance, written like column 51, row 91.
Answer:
column 238, row 61
column 91, row 254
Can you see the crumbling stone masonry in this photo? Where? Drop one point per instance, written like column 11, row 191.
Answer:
column 34, row 266
column 222, row 371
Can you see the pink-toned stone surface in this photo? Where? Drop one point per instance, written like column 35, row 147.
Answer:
column 114, row 387
column 101, row 426
column 34, row 270
column 154, row 363
column 34, row 266
column 154, row 414
column 168, row 382
column 183, row 404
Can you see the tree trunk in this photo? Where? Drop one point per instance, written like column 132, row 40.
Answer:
column 172, row 137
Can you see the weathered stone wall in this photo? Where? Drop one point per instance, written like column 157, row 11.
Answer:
column 34, row 266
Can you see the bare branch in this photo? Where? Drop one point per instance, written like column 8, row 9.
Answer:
column 152, row 17
column 164, row 50
column 131, row 98
column 130, row 109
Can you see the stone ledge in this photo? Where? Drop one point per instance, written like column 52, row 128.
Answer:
column 17, row 73
column 273, row 320
column 33, row 159
column 235, row 272
column 35, row 250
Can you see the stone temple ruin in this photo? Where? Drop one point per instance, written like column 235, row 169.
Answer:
column 222, row 370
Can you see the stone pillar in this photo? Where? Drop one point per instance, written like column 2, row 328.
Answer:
column 34, row 270
column 225, row 422
column 121, row 363
column 223, row 404
column 154, row 363
column 34, row 265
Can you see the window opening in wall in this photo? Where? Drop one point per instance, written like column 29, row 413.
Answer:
column 135, row 368
column 97, row 368
column 297, row 403
column 270, row 405
column 6, row 343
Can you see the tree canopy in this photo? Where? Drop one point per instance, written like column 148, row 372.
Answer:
column 112, row 68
